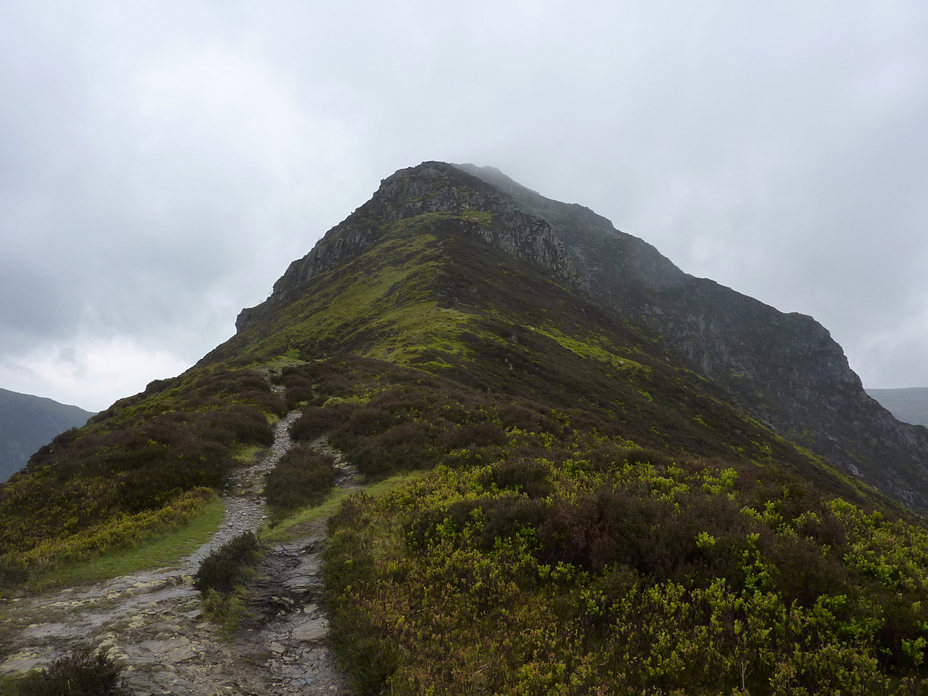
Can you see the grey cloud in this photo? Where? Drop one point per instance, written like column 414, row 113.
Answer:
column 161, row 165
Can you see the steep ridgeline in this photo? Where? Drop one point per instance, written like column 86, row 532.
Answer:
column 431, row 188
column 784, row 369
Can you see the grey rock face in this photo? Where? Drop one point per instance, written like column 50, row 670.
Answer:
column 783, row 369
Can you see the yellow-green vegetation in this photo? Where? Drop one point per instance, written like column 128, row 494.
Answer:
column 566, row 507
column 290, row 527
column 163, row 550
column 294, row 524
column 546, row 553
column 624, row 574
column 594, row 347
column 144, row 467
column 248, row 454
column 118, row 532
column 383, row 305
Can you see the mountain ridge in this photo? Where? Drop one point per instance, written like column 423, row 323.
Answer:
column 402, row 195
column 817, row 400
column 782, row 368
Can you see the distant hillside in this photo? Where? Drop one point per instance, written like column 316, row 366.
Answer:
column 28, row 422
column 908, row 405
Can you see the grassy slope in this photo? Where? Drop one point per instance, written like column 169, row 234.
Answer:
column 526, row 561
column 145, row 466
column 430, row 298
column 547, row 554
column 27, row 423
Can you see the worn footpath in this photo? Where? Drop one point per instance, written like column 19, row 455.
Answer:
column 152, row 621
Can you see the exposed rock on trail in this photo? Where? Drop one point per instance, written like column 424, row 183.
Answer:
column 152, row 622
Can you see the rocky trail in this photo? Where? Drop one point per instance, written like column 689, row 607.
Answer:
column 152, row 621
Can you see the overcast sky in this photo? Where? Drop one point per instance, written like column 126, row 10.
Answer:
column 162, row 162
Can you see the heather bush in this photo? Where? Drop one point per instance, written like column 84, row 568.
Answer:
column 316, row 420
column 132, row 461
column 471, row 435
column 238, row 423
column 303, row 476
column 299, row 388
column 402, row 448
column 84, row 672
column 227, row 566
column 632, row 575
column 12, row 573
column 529, row 476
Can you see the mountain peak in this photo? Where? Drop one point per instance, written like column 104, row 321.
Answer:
column 783, row 369
column 436, row 190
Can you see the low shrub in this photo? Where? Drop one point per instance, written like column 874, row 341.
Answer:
column 299, row 389
column 527, row 476
column 12, row 573
column 238, row 423
column 317, row 421
column 403, row 448
column 84, row 672
column 303, row 476
column 472, row 435
column 492, row 518
column 228, row 565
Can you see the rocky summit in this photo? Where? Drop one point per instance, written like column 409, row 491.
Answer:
column 480, row 441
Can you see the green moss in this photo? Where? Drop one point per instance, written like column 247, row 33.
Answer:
column 385, row 304
column 593, row 347
column 481, row 217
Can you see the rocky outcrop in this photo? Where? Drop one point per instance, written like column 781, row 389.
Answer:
column 787, row 371
column 430, row 189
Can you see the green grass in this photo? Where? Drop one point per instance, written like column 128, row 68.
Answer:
column 247, row 455
column 162, row 551
column 595, row 347
column 289, row 527
column 140, row 468
column 9, row 684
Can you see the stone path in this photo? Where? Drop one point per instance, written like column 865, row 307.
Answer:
column 152, row 620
